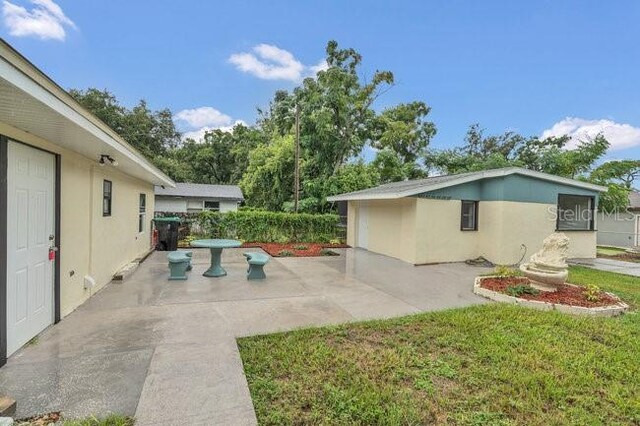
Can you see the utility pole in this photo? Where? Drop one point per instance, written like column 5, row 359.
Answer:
column 296, row 176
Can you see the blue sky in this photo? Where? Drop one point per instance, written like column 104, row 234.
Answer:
column 538, row 67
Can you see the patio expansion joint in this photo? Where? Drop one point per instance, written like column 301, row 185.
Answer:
column 146, row 376
column 252, row 299
column 94, row 352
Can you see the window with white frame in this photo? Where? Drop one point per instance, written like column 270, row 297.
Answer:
column 575, row 213
column 142, row 212
column 212, row 205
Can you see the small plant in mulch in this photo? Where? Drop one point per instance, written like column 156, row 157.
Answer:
column 285, row 253
column 519, row 290
column 301, row 247
column 592, row 293
column 504, row 271
column 327, row 252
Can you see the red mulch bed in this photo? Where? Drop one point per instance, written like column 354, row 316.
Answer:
column 313, row 249
column 566, row 294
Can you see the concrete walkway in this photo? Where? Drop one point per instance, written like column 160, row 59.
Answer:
column 610, row 265
column 166, row 351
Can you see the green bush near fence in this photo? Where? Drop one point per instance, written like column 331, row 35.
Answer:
column 270, row 227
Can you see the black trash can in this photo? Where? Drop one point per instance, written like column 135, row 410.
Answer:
column 167, row 233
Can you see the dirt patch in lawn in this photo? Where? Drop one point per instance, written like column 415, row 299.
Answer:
column 566, row 294
column 297, row 249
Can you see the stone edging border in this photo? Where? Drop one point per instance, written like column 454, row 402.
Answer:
column 601, row 311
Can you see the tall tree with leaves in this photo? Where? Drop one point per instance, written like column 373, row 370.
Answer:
column 268, row 180
column 619, row 177
column 624, row 172
column 150, row 132
column 549, row 155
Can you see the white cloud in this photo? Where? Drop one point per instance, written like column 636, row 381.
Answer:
column 320, row 66
column 197, row 121
column 619, row 135
column 198, row 134
column 203, row 116
column 270, row 62
column 45, row 20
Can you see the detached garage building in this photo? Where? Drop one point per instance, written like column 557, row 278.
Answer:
column 458, row 217
column 76, row 202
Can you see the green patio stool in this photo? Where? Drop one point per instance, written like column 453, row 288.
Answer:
column 179, row 264
column 256, row 263
column 189, row 254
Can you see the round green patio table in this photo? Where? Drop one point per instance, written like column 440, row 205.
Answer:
column 216, row 247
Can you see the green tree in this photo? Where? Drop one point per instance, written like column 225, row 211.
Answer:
column 336, row 112
column 623, row 171
column 405, row 130
column 348, row 178
column 150, row 132
column 391, row 167
column 619, row 177
column 549, row 155
column 268, row 180
column 337, row 120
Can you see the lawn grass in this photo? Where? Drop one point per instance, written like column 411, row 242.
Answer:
column 492, row 364
column 112, row 420
column 610, row 251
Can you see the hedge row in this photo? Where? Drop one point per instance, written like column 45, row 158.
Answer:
column 270, row 227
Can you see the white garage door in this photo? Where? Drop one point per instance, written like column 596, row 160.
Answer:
column 30, row 230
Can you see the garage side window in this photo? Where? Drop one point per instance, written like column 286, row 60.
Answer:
column 575, row 213
column 469, row 216
column 107, row 189
column 142, row 212
column 212, row 205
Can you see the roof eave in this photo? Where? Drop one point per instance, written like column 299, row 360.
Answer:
column 487, row 174
column 90, row 122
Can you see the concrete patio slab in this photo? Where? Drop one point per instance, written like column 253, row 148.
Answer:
column 249, row 317
column 196, row 384
column 166, row 351
column 80, row 386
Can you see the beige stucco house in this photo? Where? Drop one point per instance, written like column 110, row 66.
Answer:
column 501, row 215
column 76, row 202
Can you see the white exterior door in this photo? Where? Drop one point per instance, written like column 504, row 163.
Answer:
column 362, row 240
column 30, row 225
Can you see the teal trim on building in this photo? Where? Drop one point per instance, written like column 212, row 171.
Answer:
column 514, row 187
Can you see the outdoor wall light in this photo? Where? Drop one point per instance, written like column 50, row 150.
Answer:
column 104, row 158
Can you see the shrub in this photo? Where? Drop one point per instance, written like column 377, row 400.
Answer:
column 301, row 247
column 592, row 292
column 328, row 252
column 504, row 271
column 285, row 253
column 519, row 290
column 269, row 227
